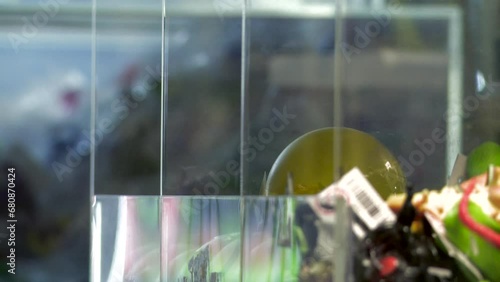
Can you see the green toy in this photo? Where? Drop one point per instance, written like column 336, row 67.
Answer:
column 482, row 157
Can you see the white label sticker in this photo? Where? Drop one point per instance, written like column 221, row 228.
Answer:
column 364, row 199
column 361, row 196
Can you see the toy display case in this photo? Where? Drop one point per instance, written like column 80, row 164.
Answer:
column 266, row 140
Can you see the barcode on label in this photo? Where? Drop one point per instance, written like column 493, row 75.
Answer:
column 367, row 203
column 364, row 200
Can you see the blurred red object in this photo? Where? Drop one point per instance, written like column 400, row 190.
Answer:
column 71, row 100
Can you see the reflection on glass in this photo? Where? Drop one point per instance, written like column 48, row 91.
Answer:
column 203, row 104
column 206, row 239
column 128, row 80
column 126, row 239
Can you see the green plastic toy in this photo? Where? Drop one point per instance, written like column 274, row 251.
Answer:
column 482, row 157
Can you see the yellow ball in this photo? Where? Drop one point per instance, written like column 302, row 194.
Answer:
column 310, row 159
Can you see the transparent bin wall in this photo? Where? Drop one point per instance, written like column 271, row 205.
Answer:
column 244, row 81
column 402, row 74
column 126, row 234
column 212, row 239
column 288, row 85
column 126, row 239
column 202, row 99
column 127, row 108
column 241, row 82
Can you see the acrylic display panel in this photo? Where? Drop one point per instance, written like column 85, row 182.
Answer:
column 202, row 99
column 286, row 61
column 128, row 69
column 125, row 239
column 241, row 82
column 237, row 83
column 402, row 69
column 206, row 239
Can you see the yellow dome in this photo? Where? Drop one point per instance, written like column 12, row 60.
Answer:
column 310, row 159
